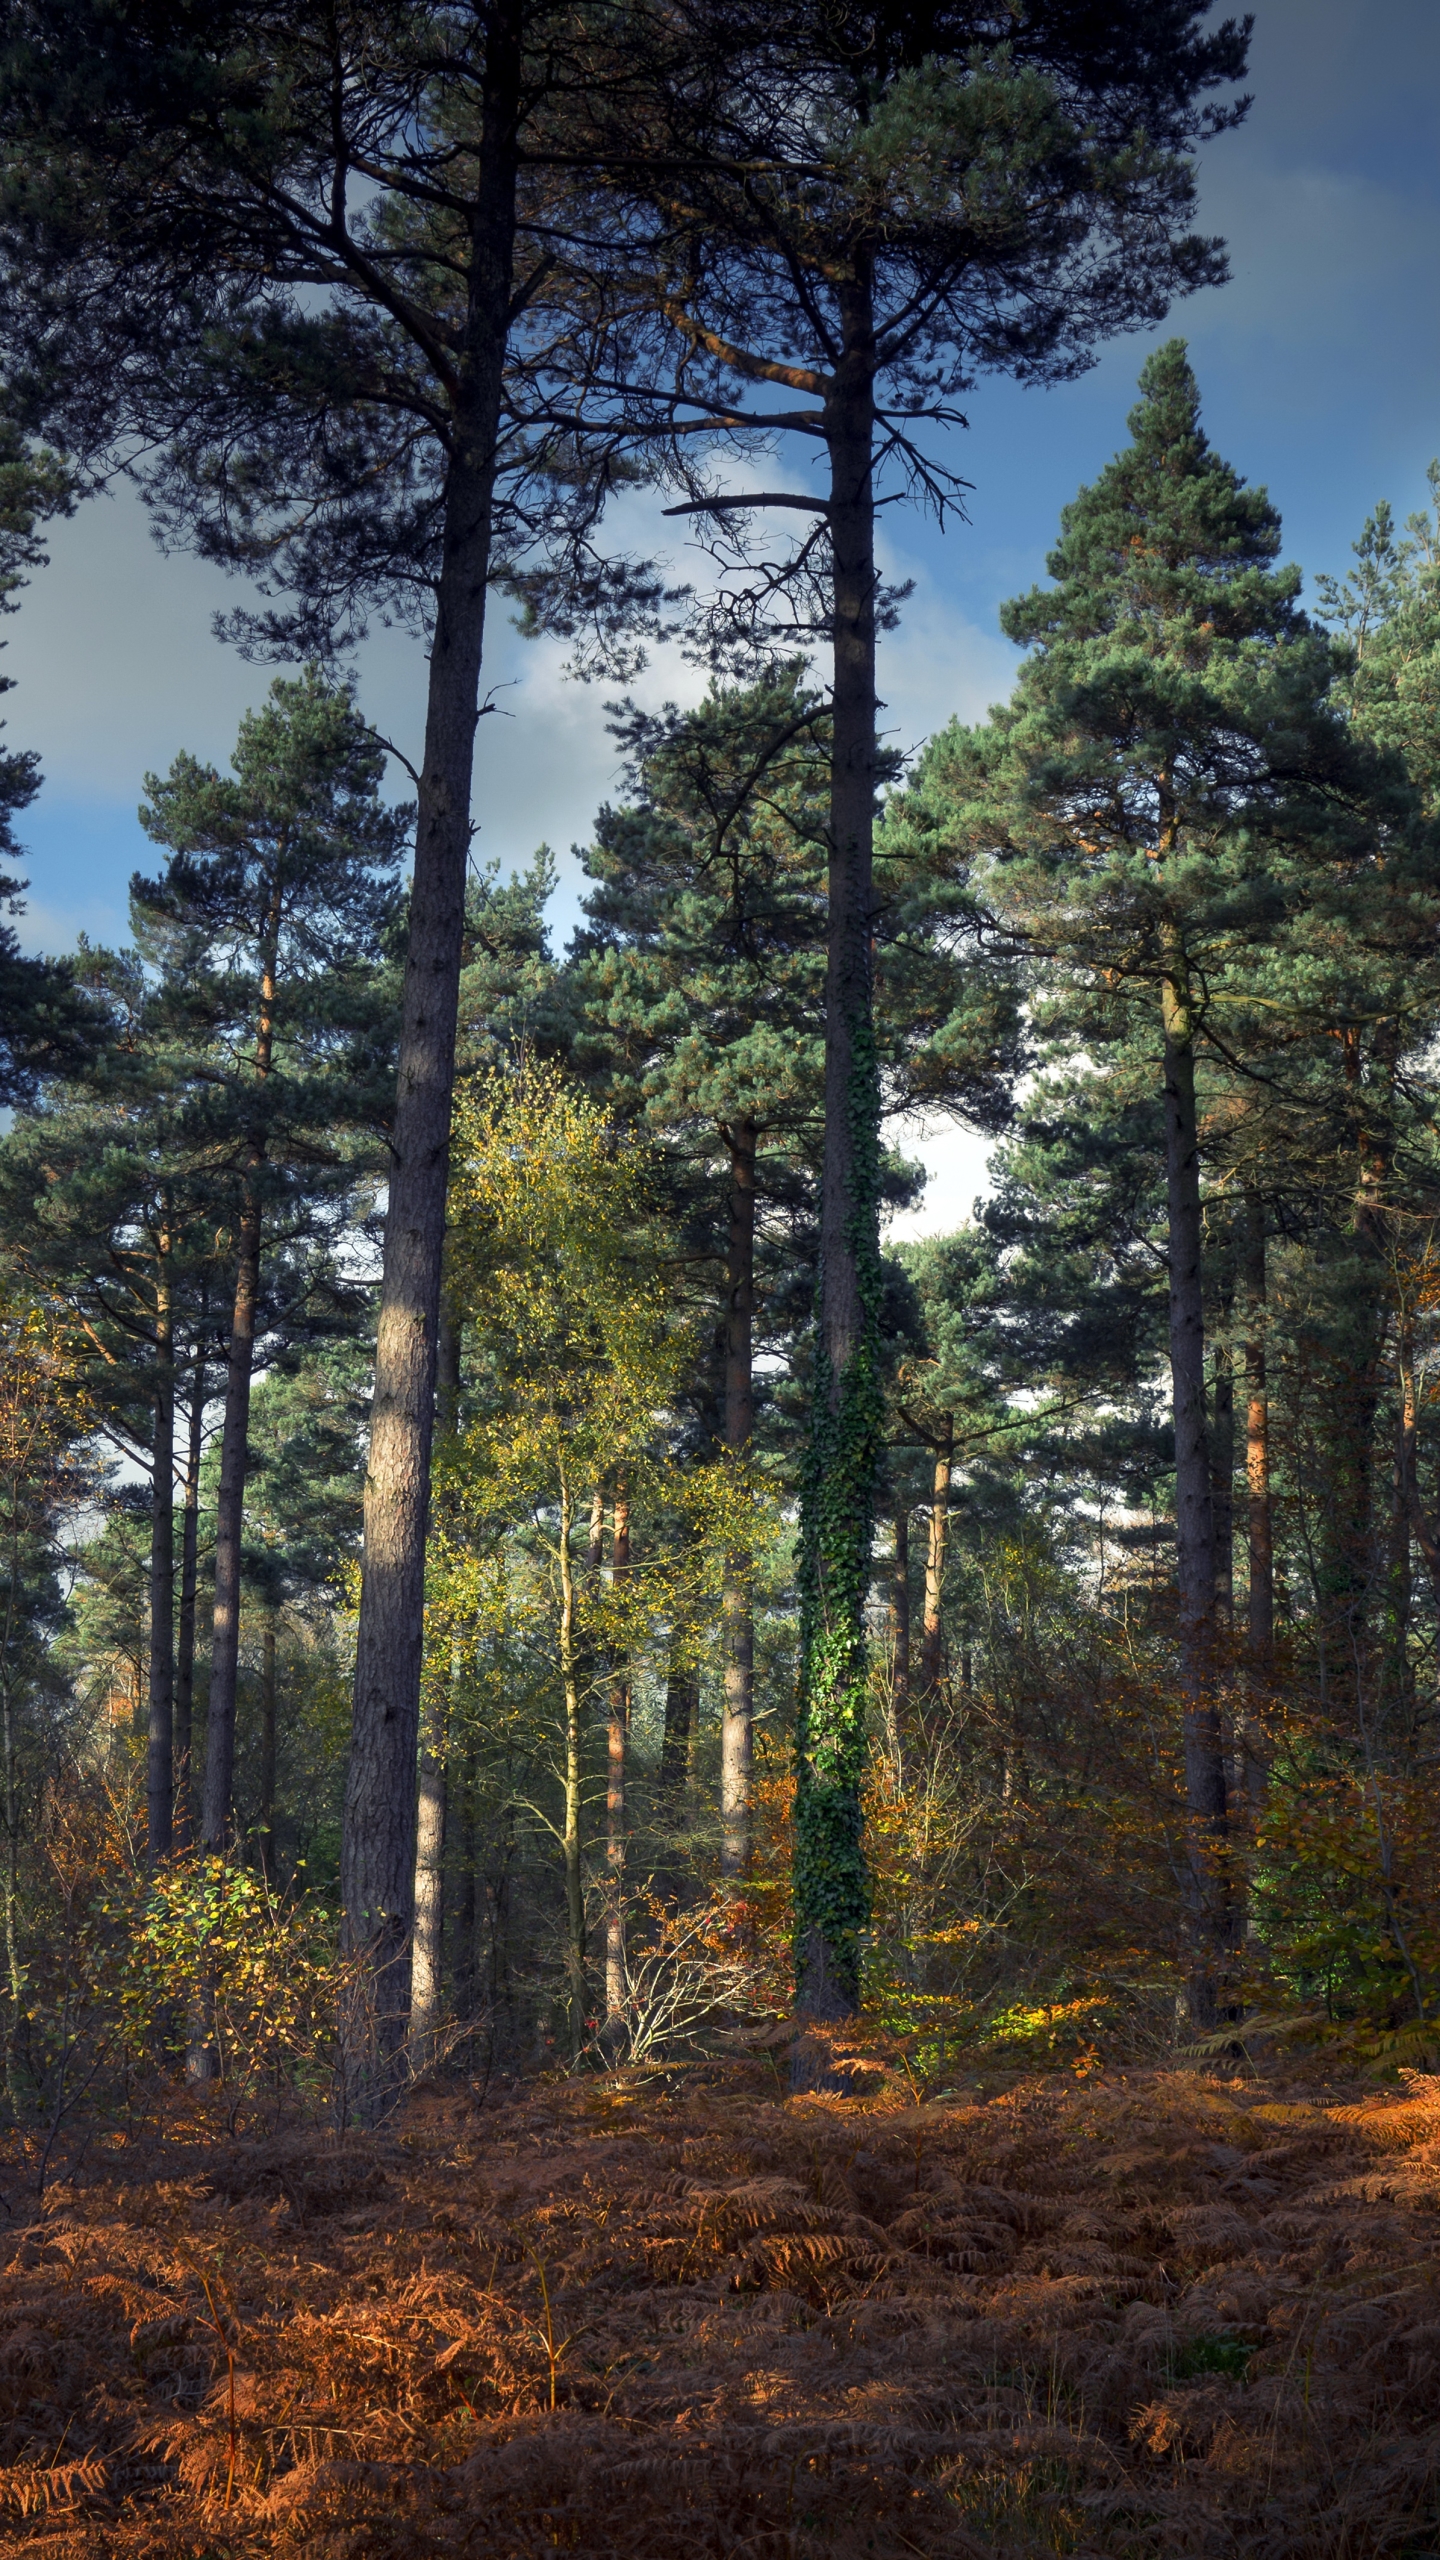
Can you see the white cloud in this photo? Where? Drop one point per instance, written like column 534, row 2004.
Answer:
column 958, row 1164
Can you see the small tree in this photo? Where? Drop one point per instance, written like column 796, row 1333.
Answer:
column 578, row 1358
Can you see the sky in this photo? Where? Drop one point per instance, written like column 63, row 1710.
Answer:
column 1319, row 367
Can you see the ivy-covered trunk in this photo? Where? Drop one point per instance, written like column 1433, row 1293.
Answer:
column 832, row 1894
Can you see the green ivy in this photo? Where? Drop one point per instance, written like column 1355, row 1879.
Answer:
column 831, row 1884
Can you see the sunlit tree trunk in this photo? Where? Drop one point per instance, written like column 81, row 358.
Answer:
column 681, row 1695
column 378, row 1840
column 571, row 1843
column 1222, row 1453
column 234, row 1451
column 428, row 1950
column 160, row 1739
column 1205, row 1786
column 14, row 1970
column 268, row 1704
column 900, row 1610
column 737, row 1606
column 932, row 1632
column 617, row 1733
column 189, row 1584
column 1399, row 1682
column 1260, row 1606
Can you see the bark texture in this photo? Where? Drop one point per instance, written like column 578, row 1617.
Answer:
column 737, row 1608
column 268, row 1706
column 932, row 1632
column 189, row 1585
column 1205, row 1787
column 378, row 1842
column 432, row 1812
column 572, row 1846
column 1222, row 1458
column 900, row 1609
column 160, row 1740
column 832, row 1900
column 230, row 1528
column 1260, row 1605
column 617, row 1738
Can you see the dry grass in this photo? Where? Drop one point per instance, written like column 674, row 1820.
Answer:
column 1125, row 2316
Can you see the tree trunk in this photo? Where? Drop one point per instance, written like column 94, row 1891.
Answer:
column 1205, row 1792
column 378, row 1839
column 832, row 1896
column 1350, row 1578
column 681, row 1692
column 14, row 1970
column 1222, row 1456
column 1427, row 1530
column 203, row 2056
column 571, row 1844
column 900, row 1611
column 737, row 1607
column 160, row 1749
column 932, row 1637
column 1260, row 1544
column 1399, row 1684
column 428, row 1954
column 267, row 1748
column 617, row 1730
column 466, row 1917
column 1260, row 1608
column 189, row 1582
column 426, row 1982
column 234, row 1443
column 229, row 1529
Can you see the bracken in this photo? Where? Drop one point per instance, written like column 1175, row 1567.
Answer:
column 653, row 2317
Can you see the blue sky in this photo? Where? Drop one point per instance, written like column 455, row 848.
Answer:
column 1320, row 370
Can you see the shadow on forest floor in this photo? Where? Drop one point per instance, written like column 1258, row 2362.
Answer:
column 678, row 2315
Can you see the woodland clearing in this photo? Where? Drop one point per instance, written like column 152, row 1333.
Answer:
column 677, row 2313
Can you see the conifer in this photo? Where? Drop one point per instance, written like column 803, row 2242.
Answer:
column 1150, row 809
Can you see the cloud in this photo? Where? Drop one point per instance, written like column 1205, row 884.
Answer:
column 957, row 1162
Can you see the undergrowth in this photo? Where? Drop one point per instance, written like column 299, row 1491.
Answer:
column 675, row 2314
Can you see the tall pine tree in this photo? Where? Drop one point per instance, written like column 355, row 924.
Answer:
column 1148, row 812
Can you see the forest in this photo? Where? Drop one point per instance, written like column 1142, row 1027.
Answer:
column 680, row 1873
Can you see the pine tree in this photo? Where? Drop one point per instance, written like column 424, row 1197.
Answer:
column 699, row 983
column 271, row 917
column 45, row 1022
column 1159, row 796
column 275, row 249
column 871, row 209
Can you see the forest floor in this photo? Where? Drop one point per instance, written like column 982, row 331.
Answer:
column 672, row 2317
